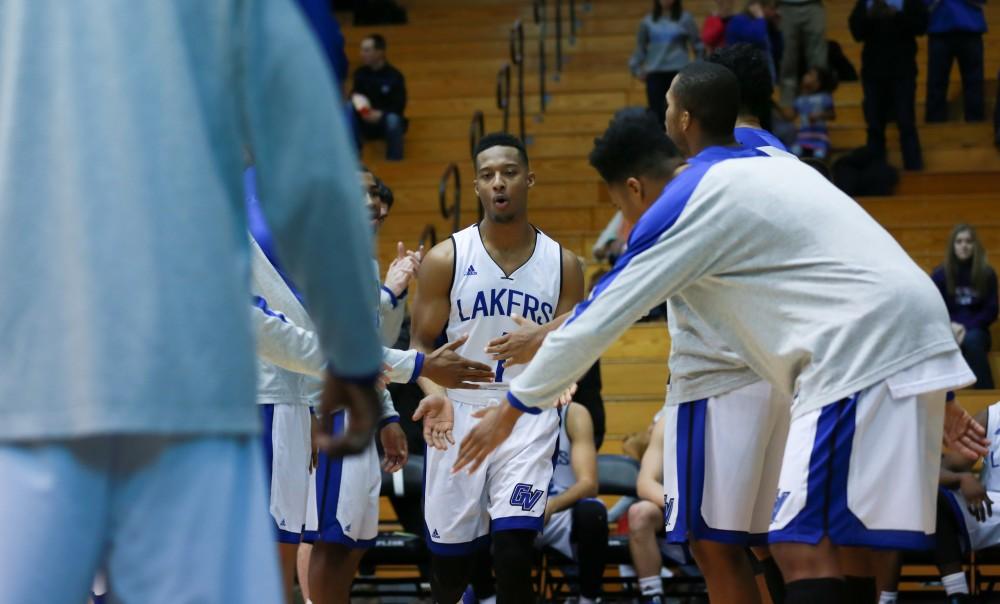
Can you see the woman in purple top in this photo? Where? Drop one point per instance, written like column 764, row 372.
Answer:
column 969, row 286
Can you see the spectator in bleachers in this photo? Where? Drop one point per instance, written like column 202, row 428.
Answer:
column 969, row 286
column 667, row 39
column 955, row 32
column 379, row 97
column 713, row 30
column 803, row 25
column 812, row 109
column 889, row 29
column 751, row 27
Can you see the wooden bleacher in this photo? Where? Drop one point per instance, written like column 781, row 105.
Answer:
column 451, row 52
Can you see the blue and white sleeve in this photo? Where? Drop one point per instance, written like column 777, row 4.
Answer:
column 284, row 344
column 662, row 258
column 307, row 180
column 404, row 365
column 392, row 309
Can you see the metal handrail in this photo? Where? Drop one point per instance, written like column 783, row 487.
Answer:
column 454, row 210
column 477, row 128
column 559, row 57
column 503, row 94
column 428, row 237
column 517, row 58
column 572, row 22
column 539, row 12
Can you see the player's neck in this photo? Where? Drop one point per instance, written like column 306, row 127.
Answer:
column 748, row 121
column 509, row 237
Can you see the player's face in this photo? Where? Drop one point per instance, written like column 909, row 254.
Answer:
column 627, row 197
column 502, row 183
column 372, row 204
column 964, row 245
column 677, row 120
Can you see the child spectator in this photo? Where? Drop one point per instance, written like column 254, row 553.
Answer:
column 812, row 108
column 969, row 286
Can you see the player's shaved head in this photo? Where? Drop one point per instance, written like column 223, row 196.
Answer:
column 500, row 139
column 750, row 65
column 633, row 145
column 710, row 93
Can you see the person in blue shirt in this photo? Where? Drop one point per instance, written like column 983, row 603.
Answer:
column 955, row 32
column 751, row 27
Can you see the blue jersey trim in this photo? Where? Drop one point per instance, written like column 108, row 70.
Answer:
column 392, row 296
column 392, row 419
column 520, row 406
column 329, row 472
column 457, row 549
column 418, row 367
column 752, row 138
column 517, row 523
column 261, row 303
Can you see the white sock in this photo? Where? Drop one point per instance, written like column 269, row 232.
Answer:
column 489, row 600
column 888, row 597
column 955, row 583
column 651, row 586
column 585, row 600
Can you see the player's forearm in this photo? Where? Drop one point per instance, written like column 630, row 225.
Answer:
column 650, row 490
column 950, row 480
column 566, row 499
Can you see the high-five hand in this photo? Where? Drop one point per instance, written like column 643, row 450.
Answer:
column 447, row 368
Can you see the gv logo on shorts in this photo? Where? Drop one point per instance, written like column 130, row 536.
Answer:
column 525, row 496
column 778, row 502
column 668, row 508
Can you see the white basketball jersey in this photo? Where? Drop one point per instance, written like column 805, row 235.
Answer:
column 562, row 468
column 991, row 465
column 483, row 299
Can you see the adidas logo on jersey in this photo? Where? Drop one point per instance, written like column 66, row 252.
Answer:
column 347, row 529
column 282, row 525
column 435, row 533
column 471, row 271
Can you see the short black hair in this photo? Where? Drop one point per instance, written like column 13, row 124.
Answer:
column 711, row 94
column 633, row 145
column 499, row 139
column 378, row 40
column 752, row 70
column 383, row 192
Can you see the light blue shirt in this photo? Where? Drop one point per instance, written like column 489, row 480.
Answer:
column 122, row 226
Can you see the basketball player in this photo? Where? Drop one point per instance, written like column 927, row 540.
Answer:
column 347, row 518
column 966, row 519
column 768, row 267
column 576, row 522
column 749, row 65
column 472, row 285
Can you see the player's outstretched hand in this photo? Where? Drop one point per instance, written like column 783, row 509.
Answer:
column 402, row 270
column 980, row 504
column 394, row 445
column 447, row 368
column 439, row 420
column 566, row 397
column 963, row 434
column 519, row 346
column 495, row 425
column 362, row 404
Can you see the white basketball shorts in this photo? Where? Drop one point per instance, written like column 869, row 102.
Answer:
column 862, row 471
column 976, row 535
column 287, row 443
column 721, row 462
column 345, row 496
column 508, row 492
